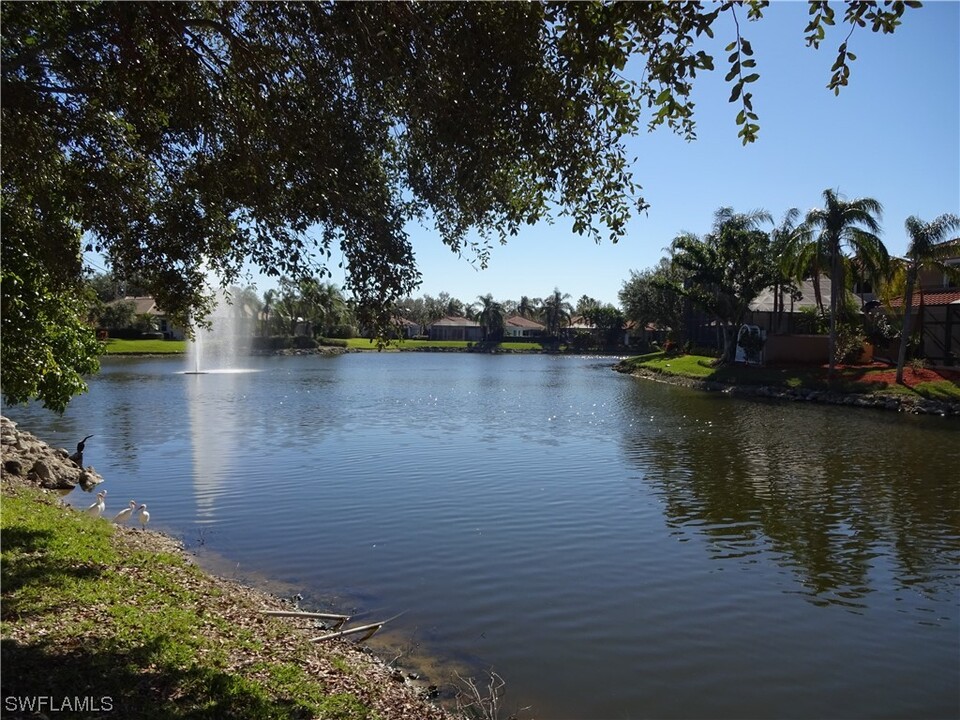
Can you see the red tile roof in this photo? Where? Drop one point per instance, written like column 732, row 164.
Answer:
column 522, row 322
column 946, row 297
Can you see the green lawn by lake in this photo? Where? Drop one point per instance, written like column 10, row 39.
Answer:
column 144, row 347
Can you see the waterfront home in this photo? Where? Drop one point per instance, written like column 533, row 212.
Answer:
column 146, row 305
column 517, row 326
column 455, row 328
column 936, row 312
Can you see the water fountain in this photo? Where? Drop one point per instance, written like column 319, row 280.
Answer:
column 215, row 349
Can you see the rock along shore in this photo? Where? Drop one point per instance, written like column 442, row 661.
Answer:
column 896, row 403
column 337, row 667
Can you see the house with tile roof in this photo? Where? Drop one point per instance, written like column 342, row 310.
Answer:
column 145, row 305
column 936, row 313
column 455, row 328
column 517, row 326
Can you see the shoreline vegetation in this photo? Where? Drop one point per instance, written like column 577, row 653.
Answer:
column 98, row 618
column 925, row 391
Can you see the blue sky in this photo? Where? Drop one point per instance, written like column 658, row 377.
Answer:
column 892, row 134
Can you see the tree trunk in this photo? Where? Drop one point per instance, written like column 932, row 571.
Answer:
column 907, row 322
column 730, row 342
column 836, row 287
column 817, row 295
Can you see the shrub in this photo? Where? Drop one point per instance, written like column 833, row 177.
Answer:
column 126, row 333
column 271, row 342
column 343, row 332
column 850, row 341
column 878, row 329
column 810, row 322
column 333, row 342
column 582, row 341
column 304, row 343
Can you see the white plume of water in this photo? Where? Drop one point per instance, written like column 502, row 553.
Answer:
column 218, row 347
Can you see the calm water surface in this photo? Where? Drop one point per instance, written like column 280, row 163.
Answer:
column 614, row 548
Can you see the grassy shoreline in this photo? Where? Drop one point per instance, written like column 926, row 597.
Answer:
column 144, row 347
column 872, row 384
column 113, row 616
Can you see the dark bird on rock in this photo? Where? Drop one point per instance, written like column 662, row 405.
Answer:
column 77, row 457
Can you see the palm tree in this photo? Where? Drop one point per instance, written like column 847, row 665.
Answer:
column 269, row 297
column 852, row 223
column 556, row 310
column 785, row 239
column 329, row 305
column 929, row 247
column 526, row 307
column 246, row 307
column 490, row 317
column 586, row 304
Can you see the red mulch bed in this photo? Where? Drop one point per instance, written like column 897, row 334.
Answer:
column 882, row 372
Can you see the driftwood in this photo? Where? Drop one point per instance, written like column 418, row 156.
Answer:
column 339, row 619
column 298, row 613
column 368, row 631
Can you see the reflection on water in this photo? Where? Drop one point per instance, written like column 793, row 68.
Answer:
column 613, row 547
column 843, row 510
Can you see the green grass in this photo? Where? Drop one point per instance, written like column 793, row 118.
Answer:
column 84, row 614
column 144, row 347
column 856, row 380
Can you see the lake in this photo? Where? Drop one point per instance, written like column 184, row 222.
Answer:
column 612, row 547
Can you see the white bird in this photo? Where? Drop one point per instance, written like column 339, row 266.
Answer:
column 121, row 517
column 98, row 507
column 144, row 516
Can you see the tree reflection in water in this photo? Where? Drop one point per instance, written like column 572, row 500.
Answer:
column 848, row 501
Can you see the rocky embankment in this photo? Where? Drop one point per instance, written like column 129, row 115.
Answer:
column 26, row 456
column 878, row 401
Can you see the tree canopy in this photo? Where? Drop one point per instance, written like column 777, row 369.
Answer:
column 181, row 138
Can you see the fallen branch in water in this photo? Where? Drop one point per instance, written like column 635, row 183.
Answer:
column 298, row 613
column 369, row 629
column 472, row 702
column 339, row 619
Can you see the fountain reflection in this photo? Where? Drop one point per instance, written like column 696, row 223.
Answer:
column 213, row 430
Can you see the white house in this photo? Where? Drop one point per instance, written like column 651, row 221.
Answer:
column 517, row 326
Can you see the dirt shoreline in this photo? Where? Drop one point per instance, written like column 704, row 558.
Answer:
column 394, row 690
